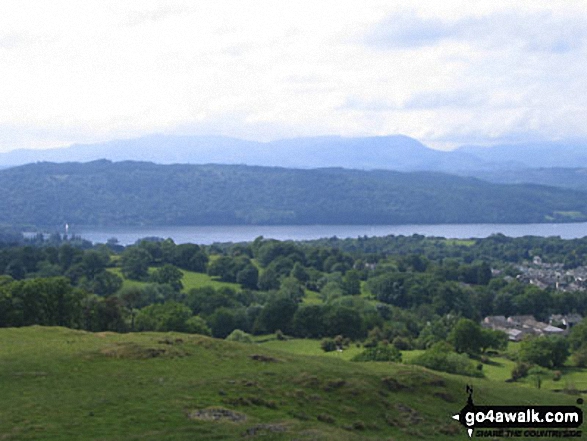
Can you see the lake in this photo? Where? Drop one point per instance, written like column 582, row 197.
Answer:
column 243, row 233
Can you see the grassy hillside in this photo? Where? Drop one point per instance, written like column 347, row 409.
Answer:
column 135, row 193
column 189, row 280
column 60, row 384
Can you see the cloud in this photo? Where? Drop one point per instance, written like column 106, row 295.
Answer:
column 408, row 30
column 451, row 99
column 538, row 31
column 95, row 70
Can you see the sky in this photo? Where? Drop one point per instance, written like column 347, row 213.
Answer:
column 446, row 73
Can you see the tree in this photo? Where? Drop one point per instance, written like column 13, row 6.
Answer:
column 578, row 335
column 131, row 298
column 548, row 352
column 342, row 320
column 390, row 288
column 190, row 257
column 299, row 272
column 467, row 337
column 239, row 336
column 248, row 277
column 168, row 274
column 223, row 321
column 134, row 263
column 379, row 353
column 290, row 287
column 308, row 321
column 351, row 283
column 206, row 300
column 169, row 316
column 268, row 280
column 226, row 267
column 94, row 263
column 537, row 374
column 197, row 325
column 104, row 284
column 493, row 339
column 277, row 313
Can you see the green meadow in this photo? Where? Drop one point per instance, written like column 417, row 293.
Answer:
column 189, row 280
column 61, row 384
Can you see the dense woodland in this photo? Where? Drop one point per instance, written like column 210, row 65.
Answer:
column 413, row 292
column 140, row 193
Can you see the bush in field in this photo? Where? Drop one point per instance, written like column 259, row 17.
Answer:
column 379, row 353
column 239, row 336
column 440, row 357
column 165, row 317
column 402, row 343
column 548, row 352
column 328, row 345
column 197, row 325
column 580, row 356
column 520, row 370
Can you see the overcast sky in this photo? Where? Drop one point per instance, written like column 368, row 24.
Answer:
column 446, row 73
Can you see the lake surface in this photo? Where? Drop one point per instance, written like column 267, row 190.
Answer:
column 243, row 233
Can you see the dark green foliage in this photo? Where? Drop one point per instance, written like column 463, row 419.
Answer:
column 343, row 320
column 135, row 193
column 379, row 353
column 520, row 370
column 169, row 316
column 578, row 335
column 580, row 356
column 268, row 280
column 248, row 277
column 190, row 257
column 309, row 321
column 103, row 284
column 351, row 283
column 277, row 314
column 469, row 337
column 328, row 345
column 50, row 302
column 197, row 325
column 168, row 274
column 466, row 337
column 299, row 272
column 292, row 289
column 548, row 352
column 227, row 268
column 134, row 263
column 223, row 321
column 206, row 300
column 103, row 314
column 239, row 336
column 440, row 357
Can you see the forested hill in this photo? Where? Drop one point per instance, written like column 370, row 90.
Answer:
column 138, row 193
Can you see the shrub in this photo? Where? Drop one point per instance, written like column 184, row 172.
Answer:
column 379, row 353
column 547, row 352
column 402, row 343
column 239, row 336
column 520, row 370
column 279, row 335
column 438, row 359
column 328, row 345
column 197, row 325
column 580, row 356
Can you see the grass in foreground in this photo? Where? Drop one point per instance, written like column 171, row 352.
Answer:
column 60, row 384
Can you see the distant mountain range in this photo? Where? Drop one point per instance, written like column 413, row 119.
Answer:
column 103, row 193
column 399, row 152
